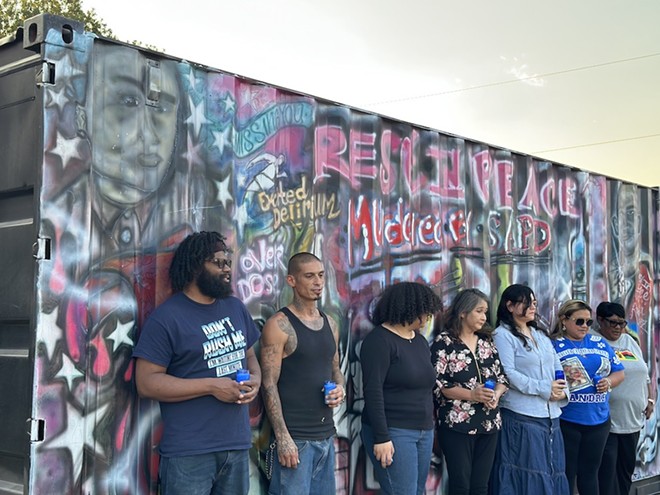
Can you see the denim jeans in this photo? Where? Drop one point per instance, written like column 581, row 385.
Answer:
column 215, row 473
column 412, row 458
column 315, row 475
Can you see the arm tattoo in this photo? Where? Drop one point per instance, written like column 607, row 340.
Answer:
column 292, row 339
column 270, row 367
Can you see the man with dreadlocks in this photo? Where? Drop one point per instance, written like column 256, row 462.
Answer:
column 187, row 357
column 299, row 353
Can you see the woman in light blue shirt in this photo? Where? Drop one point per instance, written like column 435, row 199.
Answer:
column 530, row 455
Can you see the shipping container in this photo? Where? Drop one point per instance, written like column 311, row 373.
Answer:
column 110, row 154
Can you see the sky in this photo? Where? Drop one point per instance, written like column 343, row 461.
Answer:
column 572, row 82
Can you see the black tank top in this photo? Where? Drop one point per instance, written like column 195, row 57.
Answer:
column 301, row 381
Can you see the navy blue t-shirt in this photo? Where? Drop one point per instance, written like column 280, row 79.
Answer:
column 194, row 340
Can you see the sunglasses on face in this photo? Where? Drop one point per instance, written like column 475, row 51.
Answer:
column 581, row 321
column 616, row 323
column 221, row 263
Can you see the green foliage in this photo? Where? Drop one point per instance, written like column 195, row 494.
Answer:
column 14, row 12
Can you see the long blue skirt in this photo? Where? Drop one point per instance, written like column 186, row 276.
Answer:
column 529, row 458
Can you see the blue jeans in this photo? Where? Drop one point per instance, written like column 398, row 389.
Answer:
column 412, row 458
column 315, row 475
column 215, row 473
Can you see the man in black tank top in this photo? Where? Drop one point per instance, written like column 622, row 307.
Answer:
column 299, row 353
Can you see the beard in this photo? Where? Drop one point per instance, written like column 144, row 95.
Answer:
column 215, row 286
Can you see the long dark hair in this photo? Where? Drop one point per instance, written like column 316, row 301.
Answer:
column 464, row 302
column 516, row 293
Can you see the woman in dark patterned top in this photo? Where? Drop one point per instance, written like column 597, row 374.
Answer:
column 470, row 381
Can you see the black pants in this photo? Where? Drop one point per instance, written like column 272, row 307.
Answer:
column 618, row 464
column 469, row 460
column 584, row 447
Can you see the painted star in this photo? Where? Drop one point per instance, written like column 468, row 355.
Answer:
column 68, row 371
column 224, row 196
column 78, row 434
column 68, row 69
column 66, row 149
column 240, row 180
column 241, row 218
column 197, row 118
column 49, row 332
column 222, row 138
column 192, row 80
column 121, row 335
column 230, row 105
column 245, row 94
column 260, row 99
column 57, row 98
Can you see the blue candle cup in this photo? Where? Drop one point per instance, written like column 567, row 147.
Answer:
column 559, row 375
column 242, row 375
column 328, row 387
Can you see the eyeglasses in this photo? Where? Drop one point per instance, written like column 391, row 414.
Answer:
column 581, row 321
column 221, row 263
column 616, row 323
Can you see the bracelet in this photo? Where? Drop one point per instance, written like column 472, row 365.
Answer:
column 652, row 401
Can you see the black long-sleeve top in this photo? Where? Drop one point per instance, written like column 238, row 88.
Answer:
column 398, row 380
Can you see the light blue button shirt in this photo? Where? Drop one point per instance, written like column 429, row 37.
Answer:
column 531, row 373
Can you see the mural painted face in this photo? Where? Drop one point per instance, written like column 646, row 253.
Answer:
column 309, row 282
column 132, row 138
column 475, row 319
column 577, row 324
column 628, row 221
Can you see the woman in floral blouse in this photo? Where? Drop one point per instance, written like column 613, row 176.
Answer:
column 468, row 415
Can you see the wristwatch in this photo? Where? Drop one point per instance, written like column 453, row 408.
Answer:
column 652, row 401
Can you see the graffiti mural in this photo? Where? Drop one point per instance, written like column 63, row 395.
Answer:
column 141, row 150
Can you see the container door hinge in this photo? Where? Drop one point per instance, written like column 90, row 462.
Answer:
column 36, row 429
column 41, row 249
column 46, row 74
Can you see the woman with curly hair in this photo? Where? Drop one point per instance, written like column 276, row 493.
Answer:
column 469, row 384
column 592, row 370
column 530, row 453
column 398, row 382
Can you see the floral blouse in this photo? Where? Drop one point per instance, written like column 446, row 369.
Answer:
column 456, row 365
